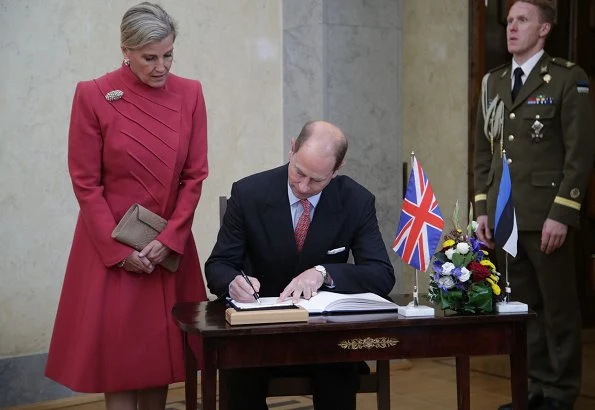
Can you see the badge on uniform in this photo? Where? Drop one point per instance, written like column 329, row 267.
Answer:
column 540, row 100
column 537, row 135
column 582, row 87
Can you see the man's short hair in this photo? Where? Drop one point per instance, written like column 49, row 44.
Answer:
column 547, row 11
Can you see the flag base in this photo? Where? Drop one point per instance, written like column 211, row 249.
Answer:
column 511, row 307
column 416, row 311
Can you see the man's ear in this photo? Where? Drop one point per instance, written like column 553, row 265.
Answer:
column 545, row 29
column 338, row 168
column 291, row 149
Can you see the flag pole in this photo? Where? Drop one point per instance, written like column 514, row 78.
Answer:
column 415, row 295
column 507, row 298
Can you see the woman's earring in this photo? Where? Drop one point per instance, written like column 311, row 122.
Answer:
column 126, row 62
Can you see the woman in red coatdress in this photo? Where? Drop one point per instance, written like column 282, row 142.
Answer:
column 137, row 135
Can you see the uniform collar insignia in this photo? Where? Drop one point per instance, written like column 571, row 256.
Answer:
column 547, row 78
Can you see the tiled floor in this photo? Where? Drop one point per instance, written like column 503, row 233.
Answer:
column 430, row 384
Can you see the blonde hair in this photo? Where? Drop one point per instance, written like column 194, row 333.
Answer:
column 145, row 23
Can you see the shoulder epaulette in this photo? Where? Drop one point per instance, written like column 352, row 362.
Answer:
column 500, row 67
column 562, row 62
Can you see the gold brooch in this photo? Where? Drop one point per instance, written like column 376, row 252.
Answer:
column 114, row 95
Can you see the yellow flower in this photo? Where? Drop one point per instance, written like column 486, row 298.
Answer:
column 489, row 264
column 485, row 252
column 448, row 243
column 494, row 278
column 495, row 288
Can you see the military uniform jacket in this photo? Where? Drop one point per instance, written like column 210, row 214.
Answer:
column 547, row 134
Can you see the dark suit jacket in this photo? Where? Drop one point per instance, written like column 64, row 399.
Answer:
column 549, row 172
column 257, row 227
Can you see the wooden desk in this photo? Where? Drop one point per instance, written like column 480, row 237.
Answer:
column 343, row 338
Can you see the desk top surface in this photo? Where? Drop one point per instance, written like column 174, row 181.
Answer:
column 208, row 319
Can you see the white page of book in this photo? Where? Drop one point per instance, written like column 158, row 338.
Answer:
column 265, row 303
column 330, row 301
column 325, row 302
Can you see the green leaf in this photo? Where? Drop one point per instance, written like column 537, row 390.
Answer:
column 480, row 296
column 441, row 257
column 451, row 299
column 455, row 216
column 470, row 256
column 470, row 220
column 458, row 260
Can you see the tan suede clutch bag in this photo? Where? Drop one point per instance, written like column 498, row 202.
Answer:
column 138, row 227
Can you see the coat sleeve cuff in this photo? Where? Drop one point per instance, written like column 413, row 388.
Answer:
column 565, row 211
column 481, row 204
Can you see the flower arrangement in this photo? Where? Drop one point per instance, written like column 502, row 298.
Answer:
column 463, row 278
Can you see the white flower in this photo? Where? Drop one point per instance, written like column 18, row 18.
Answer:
column 449, row 252
column 465, row 274
column 463, row 248
column 474, row 225
column 447, row 267
column 447, row 282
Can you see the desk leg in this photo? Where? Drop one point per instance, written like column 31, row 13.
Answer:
column 190, row 385
column 208, row 376
column 463, row 395
column 518, row 367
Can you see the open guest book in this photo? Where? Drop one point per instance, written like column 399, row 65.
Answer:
column 323, row 303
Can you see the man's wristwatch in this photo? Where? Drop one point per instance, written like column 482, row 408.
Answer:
column 323, row 272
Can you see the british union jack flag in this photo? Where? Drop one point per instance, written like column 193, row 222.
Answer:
column 420, row 224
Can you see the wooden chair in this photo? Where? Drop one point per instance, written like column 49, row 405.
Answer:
column 371, row 381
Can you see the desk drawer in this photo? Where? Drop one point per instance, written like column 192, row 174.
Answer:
column 364, row 344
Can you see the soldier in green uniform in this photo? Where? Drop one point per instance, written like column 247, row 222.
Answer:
column 538, row 111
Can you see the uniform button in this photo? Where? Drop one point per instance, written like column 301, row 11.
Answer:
column 537, row 116
column 511, row 138
column 512, row 116
column 509, row 160
column 553, row 184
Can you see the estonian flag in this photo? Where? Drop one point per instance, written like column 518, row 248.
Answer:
column 506, row 231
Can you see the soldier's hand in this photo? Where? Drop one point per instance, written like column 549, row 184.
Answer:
column 483, row 232
column 553, row 235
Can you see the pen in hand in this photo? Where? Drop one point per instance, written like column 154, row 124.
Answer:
column 256, row 296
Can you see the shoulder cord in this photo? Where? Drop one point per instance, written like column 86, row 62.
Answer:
column 493, row 116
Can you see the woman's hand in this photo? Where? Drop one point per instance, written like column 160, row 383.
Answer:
column 137, row 264
column 155, row 252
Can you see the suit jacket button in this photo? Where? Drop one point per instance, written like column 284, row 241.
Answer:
column 511, row 138
column 512, row 116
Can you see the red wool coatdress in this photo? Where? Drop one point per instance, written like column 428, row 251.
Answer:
column 114, row 330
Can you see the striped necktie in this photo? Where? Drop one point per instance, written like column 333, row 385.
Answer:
column 301, row 229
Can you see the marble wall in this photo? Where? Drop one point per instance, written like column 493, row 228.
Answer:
column 434, row 55
column 342, row 63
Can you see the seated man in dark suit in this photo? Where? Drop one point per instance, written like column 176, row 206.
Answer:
column 291, row 230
